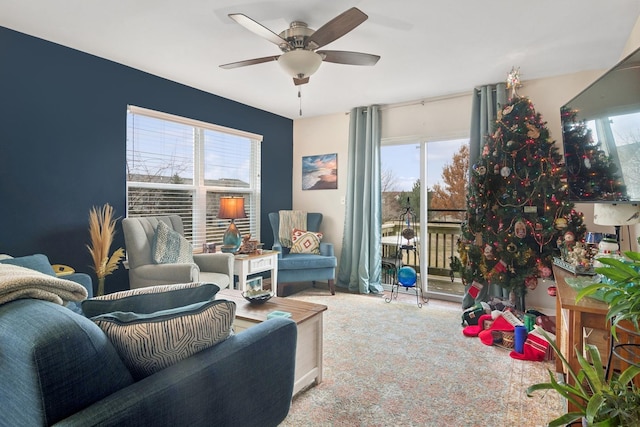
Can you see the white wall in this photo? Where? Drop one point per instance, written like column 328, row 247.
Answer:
column 438, row 119
column 633, row 42
column 322, row 135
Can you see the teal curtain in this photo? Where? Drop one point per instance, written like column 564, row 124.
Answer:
column 361, row 257
column 485, row 103
column 484, row 108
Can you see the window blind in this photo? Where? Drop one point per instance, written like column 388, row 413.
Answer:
column 181, row 166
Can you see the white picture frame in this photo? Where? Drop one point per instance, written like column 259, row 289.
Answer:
column 254, row 285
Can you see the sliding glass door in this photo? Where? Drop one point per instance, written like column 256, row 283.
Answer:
column 443, row 166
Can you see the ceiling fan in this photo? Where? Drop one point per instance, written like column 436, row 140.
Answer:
column 300, row 59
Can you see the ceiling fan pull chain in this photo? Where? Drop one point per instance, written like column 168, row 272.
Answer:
column 300, row 99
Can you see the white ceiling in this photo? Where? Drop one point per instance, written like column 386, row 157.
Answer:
column 429, row 48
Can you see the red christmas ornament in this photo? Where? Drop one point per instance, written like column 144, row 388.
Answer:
column 531, row 282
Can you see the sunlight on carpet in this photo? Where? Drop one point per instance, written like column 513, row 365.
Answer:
column 396, row 364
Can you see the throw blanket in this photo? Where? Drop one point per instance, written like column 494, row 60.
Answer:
column 288, row 221
column 19, row 282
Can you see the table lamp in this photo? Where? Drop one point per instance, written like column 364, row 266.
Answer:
column 616, row 215
column 231, row 208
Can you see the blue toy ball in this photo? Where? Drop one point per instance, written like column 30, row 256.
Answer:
column 407, row 276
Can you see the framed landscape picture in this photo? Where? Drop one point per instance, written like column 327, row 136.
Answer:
column 320, row 172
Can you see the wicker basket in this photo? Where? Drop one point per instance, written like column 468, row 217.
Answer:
column 507, row 339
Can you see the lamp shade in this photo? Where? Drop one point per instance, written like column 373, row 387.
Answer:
column 300, row 63
column 231, row 208
column 615, row 214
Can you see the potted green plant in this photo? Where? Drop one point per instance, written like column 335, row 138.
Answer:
column 615, row 401
column 620, row 290
column 600, row 401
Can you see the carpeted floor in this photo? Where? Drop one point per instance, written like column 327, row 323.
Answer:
column 394, row 364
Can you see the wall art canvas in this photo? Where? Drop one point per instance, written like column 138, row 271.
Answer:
column 320, row 172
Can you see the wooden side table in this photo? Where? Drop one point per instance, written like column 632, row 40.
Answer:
column 246, row 264
column 571, row 319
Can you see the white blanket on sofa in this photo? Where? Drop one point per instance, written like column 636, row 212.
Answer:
column 19, row 282
column 288, row 221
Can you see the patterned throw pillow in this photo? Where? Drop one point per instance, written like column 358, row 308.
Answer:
column 305, row 242
column 169, row 247
column 154, row 328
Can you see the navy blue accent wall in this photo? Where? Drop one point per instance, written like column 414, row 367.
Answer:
column 63, row 143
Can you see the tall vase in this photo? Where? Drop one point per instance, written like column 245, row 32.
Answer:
column 100, row 286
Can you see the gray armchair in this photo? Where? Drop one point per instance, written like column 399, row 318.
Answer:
column 304, row 267
column 138, row 236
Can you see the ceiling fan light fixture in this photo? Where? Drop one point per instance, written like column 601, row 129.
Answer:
column 300, row 63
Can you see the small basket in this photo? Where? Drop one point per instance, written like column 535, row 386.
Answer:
column 507, row 339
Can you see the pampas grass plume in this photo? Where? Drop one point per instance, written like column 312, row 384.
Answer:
column 101, row 232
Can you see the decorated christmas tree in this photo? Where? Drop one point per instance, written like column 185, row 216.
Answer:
column 517, row 208
column 591, row 173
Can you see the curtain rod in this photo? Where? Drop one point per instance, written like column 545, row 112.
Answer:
column 438, row 98
column 419, row 102
column 424, row 101
column 384, row 107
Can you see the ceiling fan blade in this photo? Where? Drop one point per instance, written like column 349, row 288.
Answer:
column 249, row 62
column 336, row 28
column 257, row 28
column 349, row 58
column 299, row 82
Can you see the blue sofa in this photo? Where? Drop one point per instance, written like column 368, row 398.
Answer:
column 58, row 368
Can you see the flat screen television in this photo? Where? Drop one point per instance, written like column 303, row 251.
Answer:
column 601, row 137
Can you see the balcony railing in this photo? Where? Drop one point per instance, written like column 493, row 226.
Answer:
column 443, row 231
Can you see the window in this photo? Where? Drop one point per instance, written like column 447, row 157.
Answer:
column 182, row 166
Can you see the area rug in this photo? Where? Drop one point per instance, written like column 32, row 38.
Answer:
column 394, row 364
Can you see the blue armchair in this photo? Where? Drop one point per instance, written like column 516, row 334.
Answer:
column 303, row 267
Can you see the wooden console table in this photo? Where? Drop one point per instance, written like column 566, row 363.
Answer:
column 309, row 318
column 571, row 319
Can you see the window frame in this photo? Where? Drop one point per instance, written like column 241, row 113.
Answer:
column 203, row 221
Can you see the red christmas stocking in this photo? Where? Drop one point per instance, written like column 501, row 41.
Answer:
column 475, row 289
column 507, row 321
column 474, row 330
column 535, row 348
